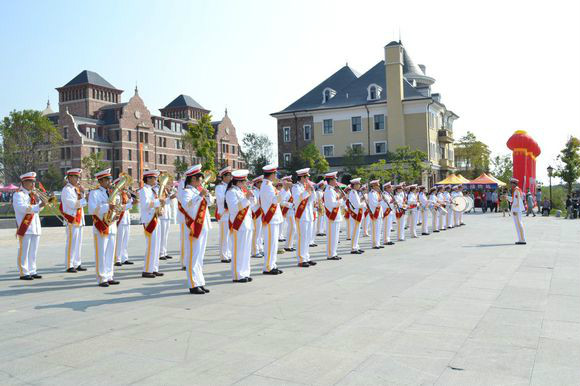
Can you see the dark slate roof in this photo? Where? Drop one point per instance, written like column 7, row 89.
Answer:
column 184, row 101
column 89, row 77
column 313, row 98
column 409, row 67
column 114, row 106
column 85, row 120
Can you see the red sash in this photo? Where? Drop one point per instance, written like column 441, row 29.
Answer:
column 399, row 213
column 331, row 215
column 149, row 228
column 25, row 224
column 387, row 212
column 413, row 206
column 76, row 220
column 286, row 209
column 217, row 215
column 375, row 215
column 301, row 208
column 347, row 211
column 101, row 226
column 267, row 217
column 188, row 219
column 257, row 213
column 200, row 218
column 239, row 219
column 357, row 216
column 124, row 201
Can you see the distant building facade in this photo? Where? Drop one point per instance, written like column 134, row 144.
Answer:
column 92, row 118
column 389, row 106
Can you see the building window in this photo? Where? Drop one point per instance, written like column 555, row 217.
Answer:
column 327, row 127
column 379, row 120
column 374, row 92
column 130, row 155
column 130, row 171
column 381, row 147
column 65, row 132
column 117, row 154
column 328, row 150
column 161, row 159
column 327, row 94
column 287, row 159
column 146, row 156
column 358, row 147
column 286, row 133
column 109, row 154
column 129, row 136
column 356, row 124
column 118, row 135
column 307, row 133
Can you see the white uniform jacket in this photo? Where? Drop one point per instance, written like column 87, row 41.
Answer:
column 70, row 202
column 126, row 219
column 268, row 197
column 412, row 200
column 299, row 193
column 166, row 211
column 22, row 206
column 423, row 201
column 179, row 218
column 148, row 201
column 517, row 201
column 190, row 199
column 237, row 201
column 355, row 201
column 374, row 202
column 332, row 200
column 99, row 206
column 220, row 197
column 285, row 202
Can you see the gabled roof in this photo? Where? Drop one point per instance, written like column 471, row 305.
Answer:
column 90, row 77
column 184, row 101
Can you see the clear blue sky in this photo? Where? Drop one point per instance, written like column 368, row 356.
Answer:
column 504, row 66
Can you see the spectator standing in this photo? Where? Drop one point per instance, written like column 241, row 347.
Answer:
column 546, row 207
column 489, row 201
column 530, row 203
column 483, row 201
column 504, row 206
column 495, row 201
column 569, row 207
column 539, row 201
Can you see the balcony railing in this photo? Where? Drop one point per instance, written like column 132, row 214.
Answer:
column 445, row 136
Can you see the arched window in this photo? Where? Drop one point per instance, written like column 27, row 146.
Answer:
column 374, row 92
column 327, row 94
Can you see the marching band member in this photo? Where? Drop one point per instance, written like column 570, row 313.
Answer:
column 104, row 232
column 222, row 215
column 460, row 193
column 388, row 213
column 239, row 200
column 180, row 219
column 72, row 209
column 271, row 219
column 357, row 208
column 279, row 187
column 518, row 208
column 442, row 214
column 412, row 203
column 27, row 205
column 449, row 215
column 454, row 194
column 288, row 213
column 347, row 212
column 149, row 202
column 194, row 203
column 333, row 202
column 321, row 218
column 366, row 223
column 423, row 204
column 375, row 213
column 400, row 213
column 257, row 237
column 123, row 227
column 434, row 207
column 164, row 222
column 304, row 198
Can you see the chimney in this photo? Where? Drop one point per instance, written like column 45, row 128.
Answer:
column 395, row 95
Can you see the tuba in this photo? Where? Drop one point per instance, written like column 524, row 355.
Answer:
column 124, row 182
column 209, row 177
column 165, row 180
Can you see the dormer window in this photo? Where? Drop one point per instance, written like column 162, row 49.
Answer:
column 374, row 92
column 328, row 94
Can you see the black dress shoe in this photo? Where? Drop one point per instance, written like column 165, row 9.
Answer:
column 304, row 265
column 71, row 270
column 196, row 291
column 361, row 251
column 249, row 278
column 288, row 249
column 424, row 234
column 376, row 247
column 226, row 261
column 183, row 268
column 148, row 275
column 128, row 263
column 355, row 253
column 390, row 243
column 113, row 282
column 158, row 273
column 312, row 262
column 81, row 268
column 118, row 264
column 435, row 231
column 103, row 284
column 333, row 258
column 313, row 245
column 26, row 277
column 273, row 271
column 162, row 258
column 517, row 243
column 204, row 289
column 243, row 280
column 168, row 257
column 381, row 247
column 36, row 276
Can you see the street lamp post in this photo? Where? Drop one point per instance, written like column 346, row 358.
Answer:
column 550, row 171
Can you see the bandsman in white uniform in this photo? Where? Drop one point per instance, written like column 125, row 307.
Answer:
column 333, row 202
column 455, row 213
column 270, row 200
column 375, row 213
column 124, row 227
column 180, row 220
column 460, row 194
column 401, row 205
column 424, row 211
column 104, row 228
column 27, row 205
column 346, row 207
column 72, row 203
column 449, row 215
column 195, row 201
column 357, row 208
column 442, row 204
column 366, row 223
column 321, row 217
column 304, row 198
column 149, row 203
column 388, row 213
column 257, row 236
column 164, row 221
column 517, row 201
column 288, row 213
column 412, row 204
column 434, row 208
column 222, row 215
column 239, row 200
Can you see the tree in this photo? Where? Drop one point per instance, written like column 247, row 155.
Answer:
column 353, row 159
column 569, row 169
column 408, row 165
column 180, row 166
column 311, row 158
column 94, row 163
column 502, row 167
column 199, row 140
column 379, row 170
column 256, row 152
column 24, row 134
column 472, row 156
column 53, row 179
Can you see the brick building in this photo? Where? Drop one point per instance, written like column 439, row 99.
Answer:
column 92, row 118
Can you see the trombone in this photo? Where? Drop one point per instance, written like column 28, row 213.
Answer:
column 50, row 201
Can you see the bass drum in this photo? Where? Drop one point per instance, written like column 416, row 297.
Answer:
column 470, row 203
column 459, row 204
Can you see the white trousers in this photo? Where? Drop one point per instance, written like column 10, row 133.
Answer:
column 434, row 220
column 163, row 235
column 355, row 234
column 182, row 244
column 270, row 245
column 104, row 256
column 424, row 219
column 123, row 233
column 367, row 224
column 376, row 231
column 461, row 218
column 450, row 217
column 194, row 252
column 257, row 239
column 442, row 220
column 348, row 231
column 74, row 239
column 332, row 230
column 240, row 241
column 401, row 228
column 387, row 227
column 225, row 252
column 27, row 249
column 290, row 231
column 313, row 230
column 304, row 232
column 412, row 220
column 151, row 259
column 517, row 216
column 456, row 221
column 322, row 220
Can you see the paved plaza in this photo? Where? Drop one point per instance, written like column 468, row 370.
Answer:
column 463, row 307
